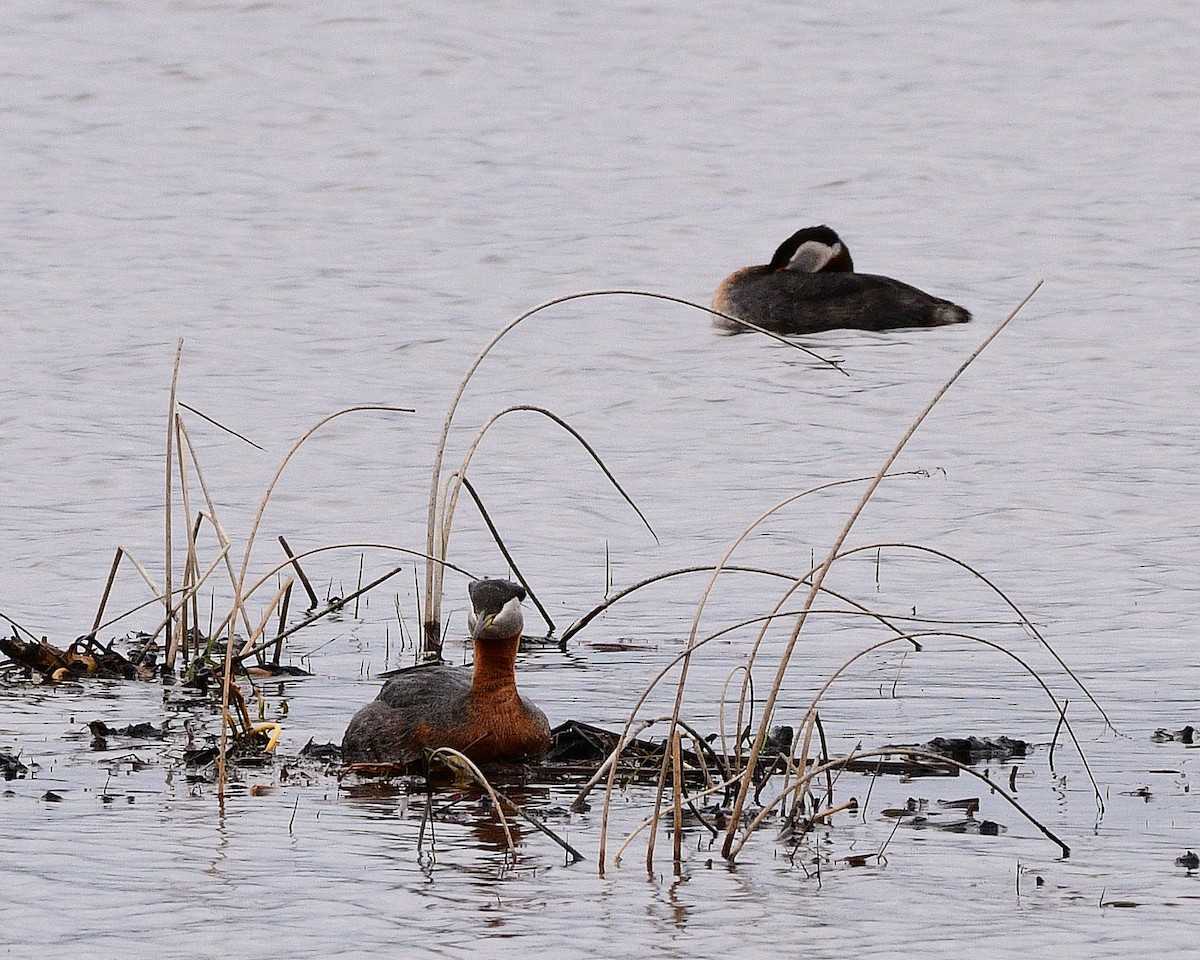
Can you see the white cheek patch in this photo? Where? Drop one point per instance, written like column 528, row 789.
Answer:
column 812, row 256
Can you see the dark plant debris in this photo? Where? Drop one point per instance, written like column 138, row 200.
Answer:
column 1186, row 735
column 577, row 747
column 85, row 657
column 135, row 731
column 11, row 768
column 969, row 750
column 917, row 814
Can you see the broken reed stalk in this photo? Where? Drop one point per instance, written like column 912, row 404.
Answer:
column 276, row 600
column 576, row 856
column 179, row 639
column 167, row 501
column 1062, row 716
column 18, row 629
column 508, row 557
column 358, row 589
column 313, row 602
column 159, row 596
column 189, row 579
column 219, row 425
column 112, row 575
column 819, row 576
column 851, row 805
column 283, row 612
column 433, row 572
column 824, row 756
column 195, row 595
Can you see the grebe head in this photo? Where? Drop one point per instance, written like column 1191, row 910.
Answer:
column 495, row 609
column 813, row 250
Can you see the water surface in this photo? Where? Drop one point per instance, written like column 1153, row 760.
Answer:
column 337, row 209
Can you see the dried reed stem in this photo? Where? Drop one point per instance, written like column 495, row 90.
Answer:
column 112, row 575
column 283, row 612
column 460, row 761
column 785, row 658
column 240, row 583
column 169, row 484
column 508, row 557
column 180, row 637
column 313, row 602
column 222, row 536
column 820, row 769
column 248, row 646
column 677, row 774
column 433, row 572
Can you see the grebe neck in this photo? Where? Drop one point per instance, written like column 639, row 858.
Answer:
column 495, row 666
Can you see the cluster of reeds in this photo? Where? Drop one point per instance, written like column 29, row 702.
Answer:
column 740, row 776
column 227, row 644
column 736, row 771
column 753, row 768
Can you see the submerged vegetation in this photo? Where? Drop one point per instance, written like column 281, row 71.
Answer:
column 751, row 772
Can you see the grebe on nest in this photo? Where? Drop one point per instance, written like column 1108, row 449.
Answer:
column 810, row 286
column 476, row 711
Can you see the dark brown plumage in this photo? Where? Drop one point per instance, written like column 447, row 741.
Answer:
column 810, row 286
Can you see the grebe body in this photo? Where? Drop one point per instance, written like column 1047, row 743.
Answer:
column 810, row 286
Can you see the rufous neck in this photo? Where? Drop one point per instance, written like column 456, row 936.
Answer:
column 495, row 666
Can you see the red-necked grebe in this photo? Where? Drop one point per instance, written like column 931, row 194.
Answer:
column 476, row 711
column 810, row 285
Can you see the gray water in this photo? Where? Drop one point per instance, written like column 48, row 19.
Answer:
column 336, row 206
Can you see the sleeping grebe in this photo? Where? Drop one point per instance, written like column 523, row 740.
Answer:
column 477, row 712
column 810, row 285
